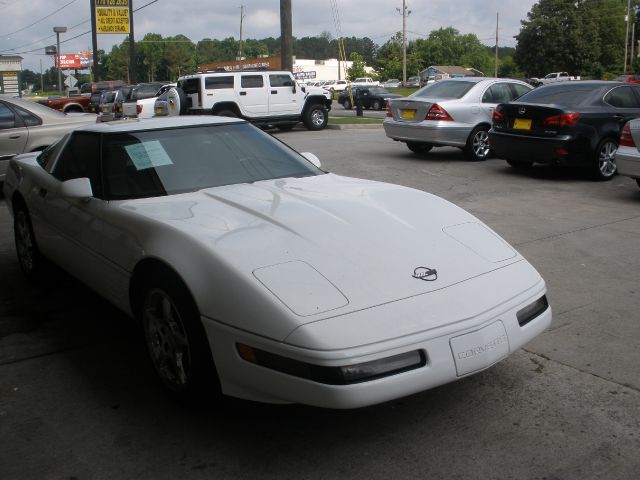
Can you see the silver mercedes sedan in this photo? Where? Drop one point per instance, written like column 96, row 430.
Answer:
column 454, row 112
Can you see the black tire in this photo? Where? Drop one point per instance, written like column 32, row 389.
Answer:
column 227, row 113
column 520, row 164
column 183, row 100
column 347, row 104
column 316, row 117
column 477, row 148
column 31, row 261
column 604, row 160
column 419, row 148
column 376, row 105
column 175, row 337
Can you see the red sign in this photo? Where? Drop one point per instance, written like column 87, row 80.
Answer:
column 69, row 62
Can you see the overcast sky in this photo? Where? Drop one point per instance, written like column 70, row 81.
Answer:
column 198, row 19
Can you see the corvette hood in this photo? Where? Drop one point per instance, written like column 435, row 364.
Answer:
column 326, row 245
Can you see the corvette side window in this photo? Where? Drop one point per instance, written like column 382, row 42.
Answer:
column 80, row 158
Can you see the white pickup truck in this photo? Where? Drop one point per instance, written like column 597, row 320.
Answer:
column 556, row 77
column 364, row 82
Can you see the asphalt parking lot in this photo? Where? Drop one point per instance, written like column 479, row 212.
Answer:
column 78, row 398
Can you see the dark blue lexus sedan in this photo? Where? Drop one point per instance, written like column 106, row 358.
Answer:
column 566, row 123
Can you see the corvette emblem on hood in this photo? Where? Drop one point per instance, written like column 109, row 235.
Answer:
column 425, row 273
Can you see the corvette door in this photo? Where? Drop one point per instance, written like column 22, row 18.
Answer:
column 80, row 242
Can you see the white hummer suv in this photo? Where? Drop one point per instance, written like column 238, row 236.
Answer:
column 261, row 97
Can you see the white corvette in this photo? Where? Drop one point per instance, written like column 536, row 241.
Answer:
column 259, row 275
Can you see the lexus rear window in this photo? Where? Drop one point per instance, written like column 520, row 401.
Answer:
column 571, row 94
column 445, row 89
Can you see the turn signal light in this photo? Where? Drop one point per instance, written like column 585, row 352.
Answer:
column 566, row 120
column 626, row 139
column 436, row 112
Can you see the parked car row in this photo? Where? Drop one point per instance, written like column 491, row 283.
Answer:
column 578, row 123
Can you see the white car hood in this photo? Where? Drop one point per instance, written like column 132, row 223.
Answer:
column 327, row 245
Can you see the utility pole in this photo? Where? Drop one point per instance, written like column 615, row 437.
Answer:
column 405, row 13
column 58, row 31
column 94, row 42
column 626, row 36
column 132, row 47
column 240, row 49
column 497, row 22
column 286, row 35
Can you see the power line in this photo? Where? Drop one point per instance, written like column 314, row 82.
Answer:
column 38, row 21
column 72, row 38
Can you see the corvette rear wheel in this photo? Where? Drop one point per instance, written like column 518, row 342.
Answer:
column 29, row 256
column 176, row 340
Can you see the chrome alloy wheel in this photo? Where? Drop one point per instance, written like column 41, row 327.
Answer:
column 480, row 145
column 317, row 118
column 166, row 339
column 607, row 159
column 24, row 241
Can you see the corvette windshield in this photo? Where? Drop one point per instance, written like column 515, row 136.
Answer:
column 186, row 159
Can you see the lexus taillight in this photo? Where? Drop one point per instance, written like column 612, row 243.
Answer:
column 436, row 112
column 389, row 114
column 497, row 116
column 566, row 120
column 626, row 139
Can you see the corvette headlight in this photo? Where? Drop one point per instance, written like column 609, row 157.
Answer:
column 345, row 375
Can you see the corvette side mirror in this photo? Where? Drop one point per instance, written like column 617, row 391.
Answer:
column 312, row 158
column 76, row 188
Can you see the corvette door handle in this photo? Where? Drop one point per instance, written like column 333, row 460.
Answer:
column 243, row 93
column 274, row 92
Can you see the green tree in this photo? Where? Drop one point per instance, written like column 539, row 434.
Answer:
column 357, row 67
column 180, row 56
column 446, row 46
column 153, row 51
column 583, row 37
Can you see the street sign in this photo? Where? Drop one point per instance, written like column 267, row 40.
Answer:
column 70, row 81
column 112, row 16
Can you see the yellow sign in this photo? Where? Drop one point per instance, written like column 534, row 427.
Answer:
column 112, row 16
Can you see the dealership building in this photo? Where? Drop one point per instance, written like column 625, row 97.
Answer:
column 330, row 69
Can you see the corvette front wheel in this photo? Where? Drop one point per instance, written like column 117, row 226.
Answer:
column 29, row 256
column 176, row 340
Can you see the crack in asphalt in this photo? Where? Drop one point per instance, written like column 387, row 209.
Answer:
column 583, row 229
column 558, row 362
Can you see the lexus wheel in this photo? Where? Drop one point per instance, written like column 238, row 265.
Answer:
column 376, row 105
column 604, row 167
